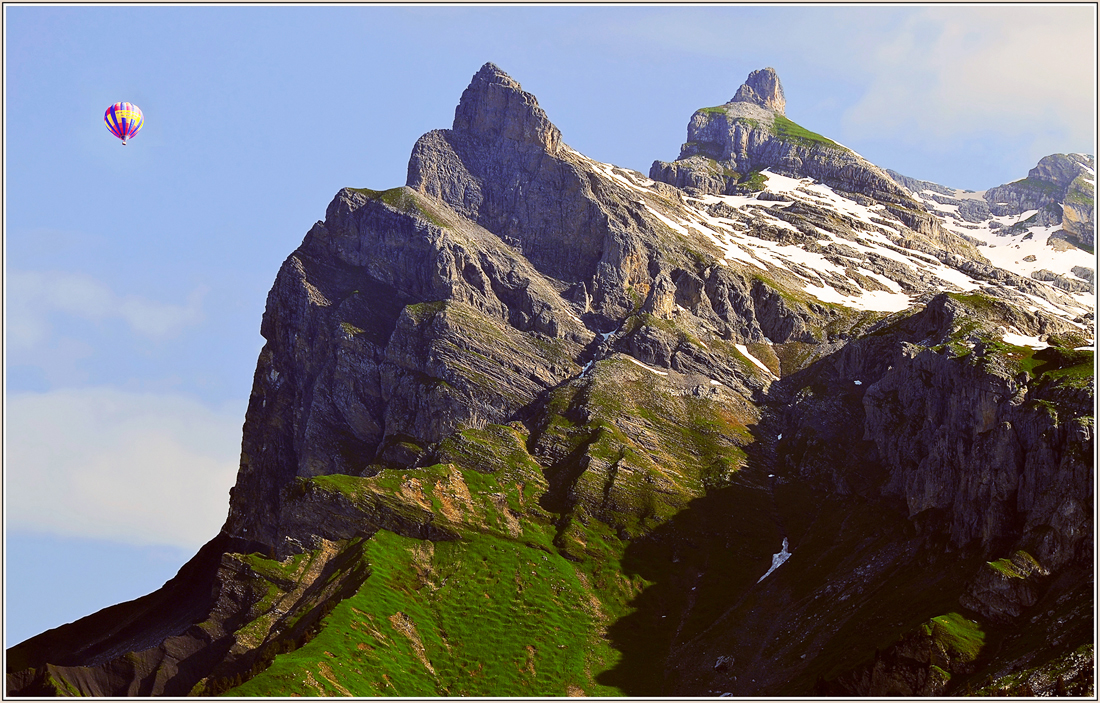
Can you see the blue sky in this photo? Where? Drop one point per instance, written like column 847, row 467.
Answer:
column 136, row 276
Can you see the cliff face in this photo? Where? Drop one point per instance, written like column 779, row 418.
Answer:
column 764, row 89
column 387, row 330
column 927, row 430
column 536, row 425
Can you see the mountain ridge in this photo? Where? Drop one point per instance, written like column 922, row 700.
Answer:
column 526, row 380
column 1054, row 208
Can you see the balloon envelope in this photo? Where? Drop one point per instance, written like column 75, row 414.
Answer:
column 124, row 120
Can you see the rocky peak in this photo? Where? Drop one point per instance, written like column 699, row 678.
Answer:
column 764, row 89
column 1062, row 187
column 1060, row 169
column 494, row 107
column 503, row 165
column 726, row 145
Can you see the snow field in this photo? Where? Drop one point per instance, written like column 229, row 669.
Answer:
column 1007, row 252
column 1021, row 340
column 792, row 258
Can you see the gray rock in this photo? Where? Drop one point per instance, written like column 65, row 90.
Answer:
column 1061, row 169
column 1005, row 588
column 764, row 89
column 750, row 133
column 1061, row 181
column 1069, row 285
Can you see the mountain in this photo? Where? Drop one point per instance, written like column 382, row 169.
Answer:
column 762, row 423
column 1044, row 225
column 730, row 144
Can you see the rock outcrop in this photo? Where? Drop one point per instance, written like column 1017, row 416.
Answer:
column 190, row 630
column 764, row 89
column 503, row 166
column 1050, row 213
column 1064, row 184
column 997, row 455
column 922, row 663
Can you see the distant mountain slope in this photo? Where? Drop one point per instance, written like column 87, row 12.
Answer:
column 759, row 424
column 1042, row 226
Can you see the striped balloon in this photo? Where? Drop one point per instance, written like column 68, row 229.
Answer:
column 124, row 120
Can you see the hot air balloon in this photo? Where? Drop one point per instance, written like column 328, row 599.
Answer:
column 124, row 120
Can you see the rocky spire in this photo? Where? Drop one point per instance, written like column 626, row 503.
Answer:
column 764, row 89
column 495, row 107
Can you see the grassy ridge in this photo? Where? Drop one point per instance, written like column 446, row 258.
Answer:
column 402, row 199
column 789, row 131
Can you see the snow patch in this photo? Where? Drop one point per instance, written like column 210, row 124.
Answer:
column 782, row 255
column 676, row 227
column 960, row 279
column 737, row 202
column 1021, row 340
column 943, row 207
column 609, row 171
column 777, row 560
column 964, row 195
column 1029, row 251
column 745, row 350
column 877, row 300
column 782, row 184
column 647, row 368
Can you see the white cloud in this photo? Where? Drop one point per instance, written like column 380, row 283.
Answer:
column 35, row 298
column 960, row 72
column 139, row 468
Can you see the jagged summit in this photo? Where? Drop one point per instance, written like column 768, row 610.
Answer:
column 503, row 165
column 495, row 106
column 762, row 88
